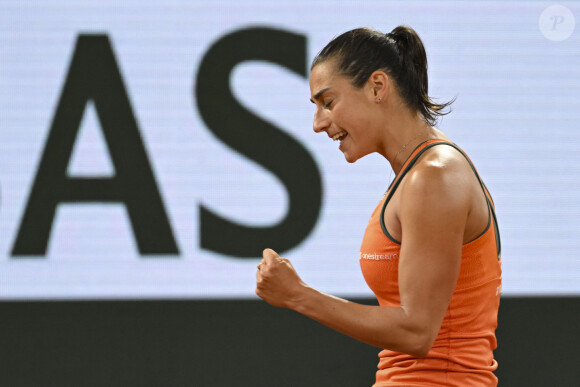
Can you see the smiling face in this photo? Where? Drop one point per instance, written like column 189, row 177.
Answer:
column 344, row 112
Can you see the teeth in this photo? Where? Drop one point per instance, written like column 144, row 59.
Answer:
column 339, row 135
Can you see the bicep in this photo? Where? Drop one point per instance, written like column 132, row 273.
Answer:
column 433, row 215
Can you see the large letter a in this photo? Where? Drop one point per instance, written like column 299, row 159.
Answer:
column 94, row 75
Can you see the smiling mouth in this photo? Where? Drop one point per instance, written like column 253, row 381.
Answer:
column 339, row 136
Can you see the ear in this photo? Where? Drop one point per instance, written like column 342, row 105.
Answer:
column 379, row 83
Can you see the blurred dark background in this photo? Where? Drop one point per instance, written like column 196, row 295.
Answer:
column 246, row 343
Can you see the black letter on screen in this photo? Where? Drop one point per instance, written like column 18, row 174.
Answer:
column 258, row 140
column 94, row 75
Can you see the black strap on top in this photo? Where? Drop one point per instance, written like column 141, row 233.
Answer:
column 412, row 162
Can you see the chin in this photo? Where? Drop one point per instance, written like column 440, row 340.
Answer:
column 350, row 158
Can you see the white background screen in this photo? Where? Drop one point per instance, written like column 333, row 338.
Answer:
column 514, row 71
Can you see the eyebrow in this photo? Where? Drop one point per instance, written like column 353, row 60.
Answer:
column 317, row 95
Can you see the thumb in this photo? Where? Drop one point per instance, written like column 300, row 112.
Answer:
column 269, row 254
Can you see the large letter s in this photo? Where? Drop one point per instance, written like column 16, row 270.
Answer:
column 258, row 140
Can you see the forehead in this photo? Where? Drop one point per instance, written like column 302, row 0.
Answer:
column 322, row 72
column 324, row 76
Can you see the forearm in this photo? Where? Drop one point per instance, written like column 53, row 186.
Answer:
column 385, row 327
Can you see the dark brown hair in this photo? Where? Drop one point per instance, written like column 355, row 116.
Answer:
column 399, row 53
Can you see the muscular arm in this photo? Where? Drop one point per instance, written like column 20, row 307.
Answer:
column 433, row 215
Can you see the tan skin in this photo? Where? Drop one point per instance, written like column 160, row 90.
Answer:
column 438, row 207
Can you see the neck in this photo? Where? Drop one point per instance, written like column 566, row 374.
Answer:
column 407, row 134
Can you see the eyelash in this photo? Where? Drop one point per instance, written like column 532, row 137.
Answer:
column 328, row 104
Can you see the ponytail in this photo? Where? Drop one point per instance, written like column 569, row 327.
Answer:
column 413, row 80
column 400, row 53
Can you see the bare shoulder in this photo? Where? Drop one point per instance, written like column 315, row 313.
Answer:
column 442, row 177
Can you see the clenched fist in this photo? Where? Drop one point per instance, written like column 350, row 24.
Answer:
column 277, row 282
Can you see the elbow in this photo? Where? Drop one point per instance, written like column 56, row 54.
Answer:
column 419, row 352
column 420, row 345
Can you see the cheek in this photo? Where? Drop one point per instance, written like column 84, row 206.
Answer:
column 355, row 115
column 357, row 127
column 348, row 121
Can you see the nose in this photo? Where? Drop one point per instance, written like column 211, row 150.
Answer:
column 321, row 121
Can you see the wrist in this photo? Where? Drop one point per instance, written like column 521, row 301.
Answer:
column 300, row 302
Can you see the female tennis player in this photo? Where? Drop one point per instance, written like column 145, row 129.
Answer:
column 431, row 250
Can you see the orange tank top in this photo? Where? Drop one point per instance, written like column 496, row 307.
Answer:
column 462, row 354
